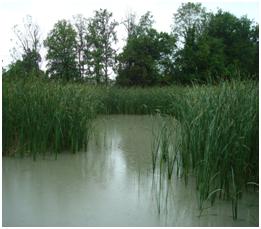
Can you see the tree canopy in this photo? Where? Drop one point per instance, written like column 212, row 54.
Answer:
column 61, row 51
column 101, row 36
column 26, row 53
column 202, row 47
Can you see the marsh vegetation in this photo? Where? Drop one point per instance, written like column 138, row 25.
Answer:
column 111, row 184
column 197, row 84
column 208, row 132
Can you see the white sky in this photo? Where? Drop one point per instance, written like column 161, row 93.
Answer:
column 47, row 12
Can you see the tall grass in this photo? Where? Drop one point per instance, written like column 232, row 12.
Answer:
column 139, row 100
column 40, row 117
column 165, row 145
column 219, row 139
column 214, row 135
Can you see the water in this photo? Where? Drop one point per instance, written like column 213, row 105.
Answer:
column 109, row 185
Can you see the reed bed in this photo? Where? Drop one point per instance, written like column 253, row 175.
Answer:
column 140, row 100
column 211, row 132
column 218, row 141
column 41, row 117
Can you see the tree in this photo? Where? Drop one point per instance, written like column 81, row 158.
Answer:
column 145, row 24
column 145, row 59
column 189, row 26
column 240, row 41
column 101, row 36
column 185, row 62
column 80, row 24
column 61, row 47
column 255, row 40
column 214, row 46
column 190, row 16
column 27, row 51
column 16, row 70
column 130, row 24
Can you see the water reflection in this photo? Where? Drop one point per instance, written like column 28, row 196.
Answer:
column 109, row 185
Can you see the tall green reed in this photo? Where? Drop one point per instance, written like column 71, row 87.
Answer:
column 215, row 136
column 219, row 139
column 40, row 117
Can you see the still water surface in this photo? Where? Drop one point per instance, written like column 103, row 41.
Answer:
column 109, row 185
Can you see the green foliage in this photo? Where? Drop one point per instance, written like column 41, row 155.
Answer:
column 28, row 36
column 146, row 59
column 214, row 134
column 217, row 125
column 42, row 117
column 80, row 24
column 28, row 66
column 61, row 52
column 26, row 53
column 239, row 39
column 138, row 100
column 145, row 24
column 189, row 16
column 203, row 47
column 215, row 46
column 16, row 70
column 101, row 36
column 217, row 139
column 31, row 61
column 200, row 61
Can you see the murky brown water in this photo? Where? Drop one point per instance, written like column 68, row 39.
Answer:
column 109, row 185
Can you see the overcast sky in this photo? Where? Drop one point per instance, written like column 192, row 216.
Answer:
column 48, row 12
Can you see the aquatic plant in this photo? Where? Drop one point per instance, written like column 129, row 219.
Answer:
column 219, row 139
column 41, row 117
column 210, row 132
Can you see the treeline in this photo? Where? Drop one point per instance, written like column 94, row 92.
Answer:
column 202, row 47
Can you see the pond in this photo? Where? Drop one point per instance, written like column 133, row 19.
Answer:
column 109, row 185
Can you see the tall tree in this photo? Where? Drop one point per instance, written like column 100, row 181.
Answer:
column 130, row 24
column 145, row 59
column 201, row 61
column 28, row 44
column 189, row 16
column 189, row 24
column 61, row 47
column 101, row 37
column 218, row 46
column 80, row 23
column 239, row 39
column 145, row 23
